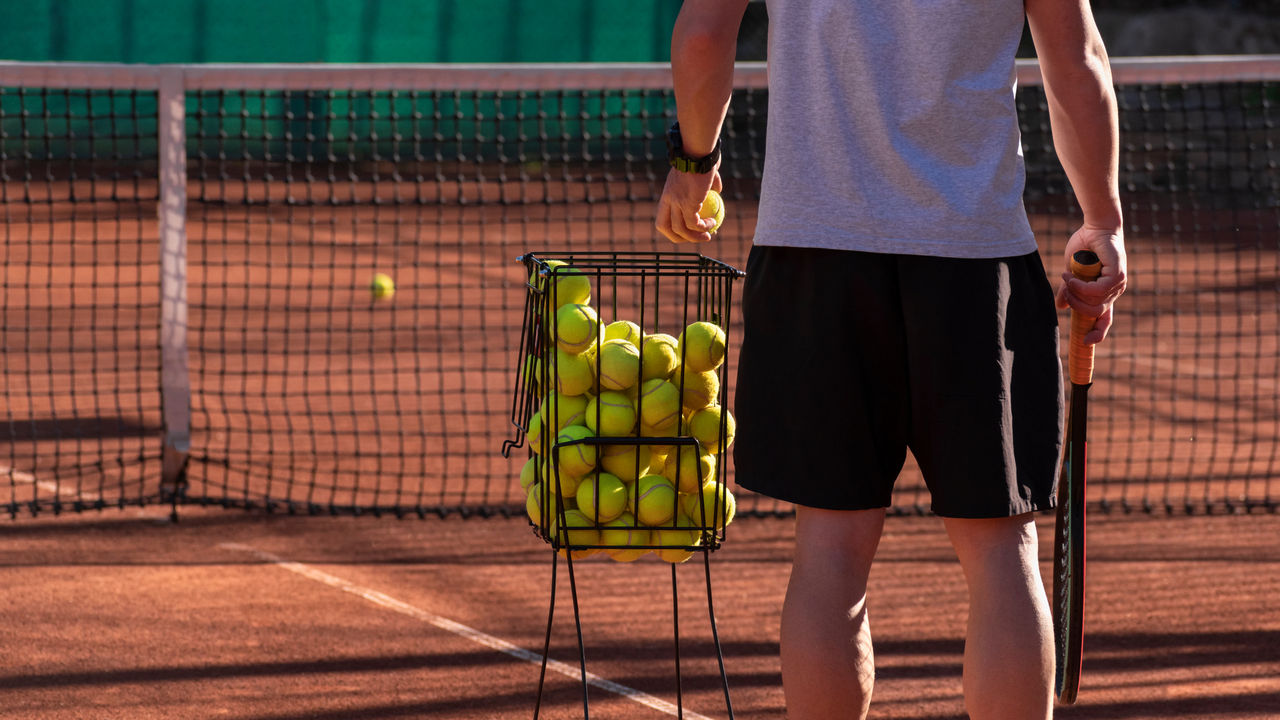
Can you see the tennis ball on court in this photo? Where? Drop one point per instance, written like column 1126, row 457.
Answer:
column 574, row 375
column 620, row 537
column 577, row 530
column 677, row 539
column 704, row 426
column 619, row 364
column 560, row 411
column 602, row 497
column 712, row 207
column 623, row 330
column 611, row 414
column 659, row 405
column 577, row 459
column 702, row 346
column 577, row 327
column 687, row 469
column 382, row 287
column 659, row 356
column 697, row 389
column 628, row 462
column 655, row 500
column 712, row 506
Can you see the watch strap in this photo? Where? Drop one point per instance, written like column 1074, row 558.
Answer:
column 677, row 158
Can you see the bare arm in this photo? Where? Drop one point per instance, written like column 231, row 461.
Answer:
column 1082, row 113
column 703, row 45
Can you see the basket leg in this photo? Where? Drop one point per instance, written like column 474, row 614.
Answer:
column 577, row 624
column 546, row 643
column 715, row 634
column 675, row 622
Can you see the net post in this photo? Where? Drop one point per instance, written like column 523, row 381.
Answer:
column 175, row 390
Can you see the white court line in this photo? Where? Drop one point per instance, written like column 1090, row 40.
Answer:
column 45, row 485
column 69, row 491
column 476, row 636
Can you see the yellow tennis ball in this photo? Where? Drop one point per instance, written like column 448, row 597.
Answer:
column 655, row 500
column 620, row 537
column 534, row 433
column 659, row 403
column 611, row 414
column 623, row 330
column 658, row 453
column 537, row 505
column 577, row 327
column 602, row 497
column 701, row 346
column 576, row 532
column 619, row 364
column 628, row 462
column 659, row 356
column 560, row 411
column 704, row 426
column 674, row 542
column 697, row 389
column 382, row 287
column 574, row 375
column 569, row 285
column 538, row 277
column 530, row 473
column 566, row 482
column 712, row 207
column 712, row 506
column 687, row 469
column 579, row 458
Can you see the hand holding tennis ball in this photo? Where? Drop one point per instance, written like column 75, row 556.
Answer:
column 712, row 208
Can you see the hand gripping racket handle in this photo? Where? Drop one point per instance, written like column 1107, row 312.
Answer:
column 1085, row 265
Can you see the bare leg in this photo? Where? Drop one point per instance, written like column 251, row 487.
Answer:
column 827, row 664
column 1008, row 652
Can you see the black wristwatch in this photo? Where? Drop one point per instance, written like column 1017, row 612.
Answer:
column 678, row 160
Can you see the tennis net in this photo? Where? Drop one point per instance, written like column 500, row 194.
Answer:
column 188, row 252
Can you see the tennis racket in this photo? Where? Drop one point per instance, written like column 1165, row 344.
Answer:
column 1068, row 547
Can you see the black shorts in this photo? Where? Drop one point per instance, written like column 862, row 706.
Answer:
column 850, row 358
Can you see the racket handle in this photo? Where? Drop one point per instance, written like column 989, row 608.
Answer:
column 1085, row 265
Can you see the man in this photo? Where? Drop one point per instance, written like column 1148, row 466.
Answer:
column 895, row 298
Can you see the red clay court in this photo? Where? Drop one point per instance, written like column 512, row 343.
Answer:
column 350, row 541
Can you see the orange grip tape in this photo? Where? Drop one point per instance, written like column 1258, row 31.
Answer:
column 1085, row 266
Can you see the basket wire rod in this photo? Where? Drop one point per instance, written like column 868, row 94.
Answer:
column 577, row 625
column 675, row 624
column 715, row 634
column 546, row 643
column 523, row 400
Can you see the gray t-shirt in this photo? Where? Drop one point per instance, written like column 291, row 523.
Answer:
column 892, row 128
